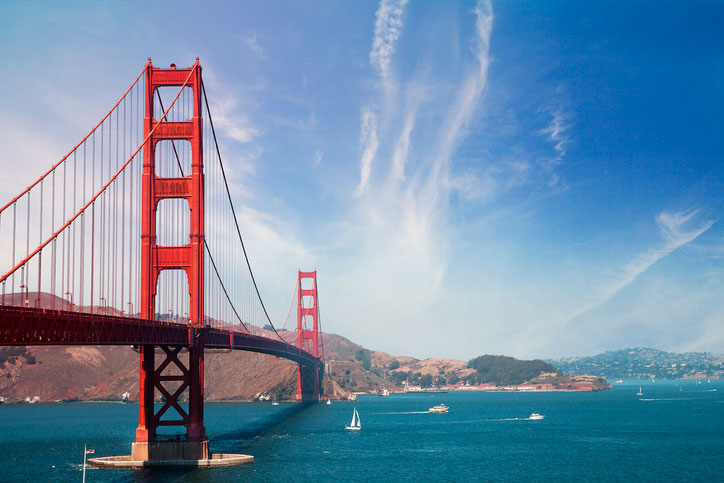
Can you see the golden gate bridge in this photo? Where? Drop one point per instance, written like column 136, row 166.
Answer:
column 132, row 239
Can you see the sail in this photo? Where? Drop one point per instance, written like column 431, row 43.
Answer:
column 354, row 417
column 359, row 422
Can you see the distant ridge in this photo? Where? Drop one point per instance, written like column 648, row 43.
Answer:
column 643, row 363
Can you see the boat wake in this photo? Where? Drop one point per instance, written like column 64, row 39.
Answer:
column 513, row 419
column 672, row 399
column 407, row 412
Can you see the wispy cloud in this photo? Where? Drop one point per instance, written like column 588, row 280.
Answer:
column 251, row 41
column 399, row 158
column 472, row 88
column 233, row 124
column 677, row 229
column 557, row 133
column 318, row 156
column 227, row 112
column 368, row 144
column 483, row 185
column 388, row 27
column 397, row 233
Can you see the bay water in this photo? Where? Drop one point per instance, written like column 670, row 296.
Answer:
column 674, row 432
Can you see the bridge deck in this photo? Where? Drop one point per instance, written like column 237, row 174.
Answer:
column 25, row 326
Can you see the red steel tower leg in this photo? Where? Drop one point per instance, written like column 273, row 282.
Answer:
column 189, row 258
column 308, row 378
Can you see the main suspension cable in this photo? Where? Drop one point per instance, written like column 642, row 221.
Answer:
column 233, row 212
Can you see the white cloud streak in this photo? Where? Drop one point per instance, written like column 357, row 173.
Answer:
column 402, row 148
column 368, row 144
column 677, row 229
column 388, row 27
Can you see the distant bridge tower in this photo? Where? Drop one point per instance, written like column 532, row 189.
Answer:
column 156, row 258
column 309, row 379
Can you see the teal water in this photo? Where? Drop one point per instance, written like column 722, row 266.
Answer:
column 674, row 432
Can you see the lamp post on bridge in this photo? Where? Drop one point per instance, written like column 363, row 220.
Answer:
column 71, row 300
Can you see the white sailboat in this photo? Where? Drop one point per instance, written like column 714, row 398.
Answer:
column 355, row 425
column 329, row 401
column 640, row 393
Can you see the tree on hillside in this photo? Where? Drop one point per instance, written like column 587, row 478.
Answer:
column 365, row 357
column 394, row 365
column 426, row 380
column 504, row 370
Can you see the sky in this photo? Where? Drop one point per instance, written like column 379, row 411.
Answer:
column 535, row 179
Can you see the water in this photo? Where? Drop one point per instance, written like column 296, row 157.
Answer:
column 675, row 432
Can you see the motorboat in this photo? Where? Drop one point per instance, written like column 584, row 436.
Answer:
column 536, row 416
column 440, row 408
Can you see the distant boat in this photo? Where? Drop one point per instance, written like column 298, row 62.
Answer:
column 440, row 408
column 329, row 401
column 640, row 393
column 356, row 424
column 536, row 416
column 620, row 381
column 275, row 403
column 383, row 392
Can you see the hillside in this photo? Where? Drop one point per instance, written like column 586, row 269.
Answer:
column 642, row 363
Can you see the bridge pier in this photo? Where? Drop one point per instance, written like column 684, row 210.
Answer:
column 172, row 378
column 309, row 382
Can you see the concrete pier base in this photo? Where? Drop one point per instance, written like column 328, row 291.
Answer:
column 170, row 450
column 127, row 461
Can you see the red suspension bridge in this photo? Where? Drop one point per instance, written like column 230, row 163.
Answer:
column 132, row 239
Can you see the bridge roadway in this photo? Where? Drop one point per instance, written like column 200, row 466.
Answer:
column 26, row 326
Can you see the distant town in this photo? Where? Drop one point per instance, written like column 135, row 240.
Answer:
column 643, row 363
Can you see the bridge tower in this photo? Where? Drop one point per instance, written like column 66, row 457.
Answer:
column 309, row 379
column 154, row 376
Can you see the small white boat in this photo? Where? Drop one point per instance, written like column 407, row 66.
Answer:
column 275, row 403
column 440, row 408
column 329, row 401
column 640, row 393
column 536, row 416
column 619, row 381
column 356, row 424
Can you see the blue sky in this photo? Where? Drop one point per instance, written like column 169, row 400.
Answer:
column 538, row 179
